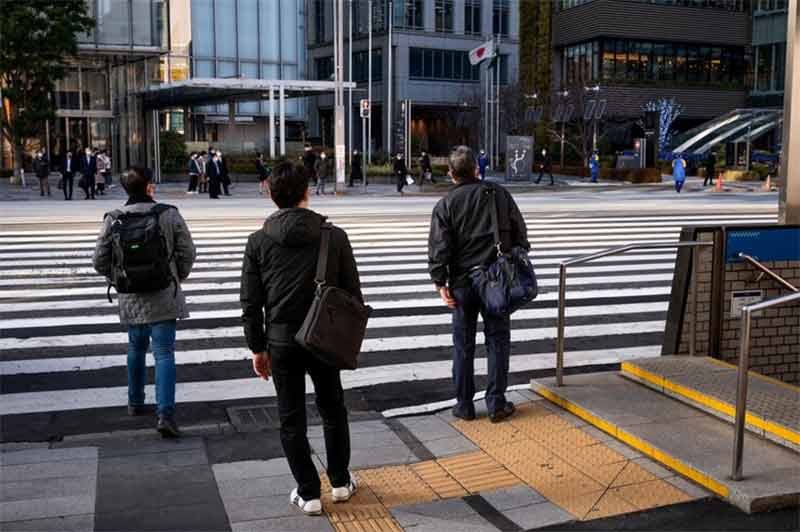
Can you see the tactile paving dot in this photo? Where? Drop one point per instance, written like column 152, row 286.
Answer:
column 608, row 505
column 397, row 486
column 478, row 472
column 577, row 505
column 633, row 474
column 435, row 476
column 487, row 434
column 607, row 473
column 651, row 494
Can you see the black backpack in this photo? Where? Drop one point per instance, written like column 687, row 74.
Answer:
column 140, row 258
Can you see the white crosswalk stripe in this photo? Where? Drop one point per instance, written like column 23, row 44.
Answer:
column 62, row 348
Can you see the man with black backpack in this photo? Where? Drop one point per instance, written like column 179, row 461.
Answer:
column 279, row 283
column 461, row 242
column 145, row 250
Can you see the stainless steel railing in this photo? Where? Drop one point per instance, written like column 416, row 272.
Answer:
column 562, row 290
column 744, row 359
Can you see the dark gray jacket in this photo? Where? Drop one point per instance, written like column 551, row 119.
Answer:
column 156, row 306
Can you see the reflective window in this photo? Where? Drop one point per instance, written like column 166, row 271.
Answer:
column 142, row 16
column 95, row 88
column 203, row 28
column 289, row 20
column 444, row 16
column 324, row 68
column 726, row 5
column 361, row 65
column 270, row 31
column 113, row 22
column 472, row 17
column 409, row 14
column 248, row 29
column 764, row 68
column 225, row 28
column 445, row 65
column 500, row 17
column 67, row 91
column 250, row 71
column 178, row 68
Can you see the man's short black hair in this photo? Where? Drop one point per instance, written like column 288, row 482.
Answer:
column 135, row 180
column 287, row 185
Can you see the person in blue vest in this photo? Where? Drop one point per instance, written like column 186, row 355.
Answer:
column 679, row 172
column 594, row 165
column 483, row 162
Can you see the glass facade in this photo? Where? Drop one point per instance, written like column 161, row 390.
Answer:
column 501, row 12
column 727, row 5
column 444, row 16
column 472, row 17
column 442, row 65
column 409, row 14
column 770, row 67
column 631, row 61
column 361, row 65
column 127, row 23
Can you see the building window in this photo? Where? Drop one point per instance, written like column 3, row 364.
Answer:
column 361, row 65
column 324, row 68
column 500, row 17
column 444, row 16
column 443, row 65
column 319, row 21
column 764, row 68
column 408, row 14
column 726, row 5
column 472, row 17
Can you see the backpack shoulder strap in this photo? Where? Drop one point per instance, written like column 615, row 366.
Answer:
column 491, row 193
column 322, row 260
column 158, row 208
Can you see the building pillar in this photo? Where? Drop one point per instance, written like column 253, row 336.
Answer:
column 282, row 125
column 231, row 124
column 790, row 160
column 271, row 123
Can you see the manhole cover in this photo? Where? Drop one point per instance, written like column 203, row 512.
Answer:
column 252, row 418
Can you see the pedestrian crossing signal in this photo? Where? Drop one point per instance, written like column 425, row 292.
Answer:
column 364, row 108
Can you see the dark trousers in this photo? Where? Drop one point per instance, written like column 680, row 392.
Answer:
column 709, row 178
column 213, row 187
column 497, row 332
column 289, row 368
column 89, row 190
column 679, row 186
column 69, row 184
column 192, row 182
column 44, row 186
column 225, row 182
column 541, row 174
column 401, row 181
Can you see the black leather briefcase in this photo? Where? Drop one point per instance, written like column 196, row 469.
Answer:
column 336, row 323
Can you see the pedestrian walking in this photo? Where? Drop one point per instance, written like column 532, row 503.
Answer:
column 594, row 165
column 425, row 169
column 68, row 169
column 263, row 173
column 546, row 165
column 224, row 175
column 400, row 172
column 88, row 167
column 107, row 181
column 202, row 165
column 483, row 163
column 679, row 172
column 277, row 289
column 194, row 174
column 100, row 174
column 711, row 168
column 322, row 172
column 214, row 177
column 145, row 250
column 461, row 240
column 356, row 172
column 310, row 163
column 41, row 167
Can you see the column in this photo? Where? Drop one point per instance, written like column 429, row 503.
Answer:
column 271, row 123
column 790, row 161
column 282, row 125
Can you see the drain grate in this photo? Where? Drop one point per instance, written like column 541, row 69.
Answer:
column 253, row 418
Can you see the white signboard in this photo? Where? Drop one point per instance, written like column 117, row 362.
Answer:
column 742, row 298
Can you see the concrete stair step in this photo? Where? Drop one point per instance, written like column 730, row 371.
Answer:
column 773, row 407
column 689, row 441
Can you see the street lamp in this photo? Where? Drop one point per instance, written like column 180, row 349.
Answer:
column 564, row 94
column 596, row 90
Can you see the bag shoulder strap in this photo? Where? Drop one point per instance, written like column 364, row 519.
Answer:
column 322, row 260
column 492, row 194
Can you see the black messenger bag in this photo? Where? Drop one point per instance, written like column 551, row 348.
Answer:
column 336, row 323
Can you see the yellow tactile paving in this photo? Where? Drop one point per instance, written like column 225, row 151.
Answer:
column 632, row 474
column 578, row 505
column 561, row 439
column 606, row 474
column 608, row 505
column 488, row 434
column 435, row 476
column 478, row 472
column 651, row 494
column 397, row 486
column 381, row 524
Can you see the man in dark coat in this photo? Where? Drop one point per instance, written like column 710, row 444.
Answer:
column 88, row 166
column 310, row 163
column 546, row 165
column 356, row 171
column 41, row 166
column 425, row 168
column 214, row 176
column 68, row 169
column 461, row 239
column 224, row 175
column 400, row 171
column 277, row 290
column 711, row 169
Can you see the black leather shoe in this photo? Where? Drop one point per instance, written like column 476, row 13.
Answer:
column 469, row 415
column 136, row 410
column 504, row 413
column 167, row 427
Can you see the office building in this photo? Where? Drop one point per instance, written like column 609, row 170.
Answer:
column 430, row 43
column 769, row 53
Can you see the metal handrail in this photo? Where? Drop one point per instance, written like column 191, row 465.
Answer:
column 562, row 290
column 767, row 271
column 744, row 366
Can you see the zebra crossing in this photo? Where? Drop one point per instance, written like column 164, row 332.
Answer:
column 62, row 347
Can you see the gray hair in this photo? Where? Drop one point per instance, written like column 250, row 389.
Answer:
column 462, row 163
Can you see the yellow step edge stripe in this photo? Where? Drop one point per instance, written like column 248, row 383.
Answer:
column 711, row 402
column 637, row 443
column 755, row 374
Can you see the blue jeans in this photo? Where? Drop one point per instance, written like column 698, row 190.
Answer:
column 498, row 344
column 163, row 334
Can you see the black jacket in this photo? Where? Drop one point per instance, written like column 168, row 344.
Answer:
column 399, row 166
column 278, row 271
column 88, row 168
column 461, row 235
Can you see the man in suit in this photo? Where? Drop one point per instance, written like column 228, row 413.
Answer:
column 88, row 167
column 546, row 166
column 224, row 176
column 68, row 169
column 214, row 176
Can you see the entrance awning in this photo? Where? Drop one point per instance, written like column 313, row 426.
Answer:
column 739, row 125
column 206, row 91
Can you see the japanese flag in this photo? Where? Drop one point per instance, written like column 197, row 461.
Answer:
column 484, row 51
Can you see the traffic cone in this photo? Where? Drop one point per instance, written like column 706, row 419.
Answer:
column 768, row 184
column 719, row 182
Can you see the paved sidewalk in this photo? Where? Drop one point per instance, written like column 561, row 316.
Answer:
column 420, row 473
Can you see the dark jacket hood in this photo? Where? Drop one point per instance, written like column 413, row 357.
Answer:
column 294, row 227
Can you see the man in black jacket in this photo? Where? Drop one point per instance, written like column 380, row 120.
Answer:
column 400, row 171
column 278, row 273
column 461, row 239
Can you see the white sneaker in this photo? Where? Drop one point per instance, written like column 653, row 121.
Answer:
column 344, row 493
column 312, row 507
